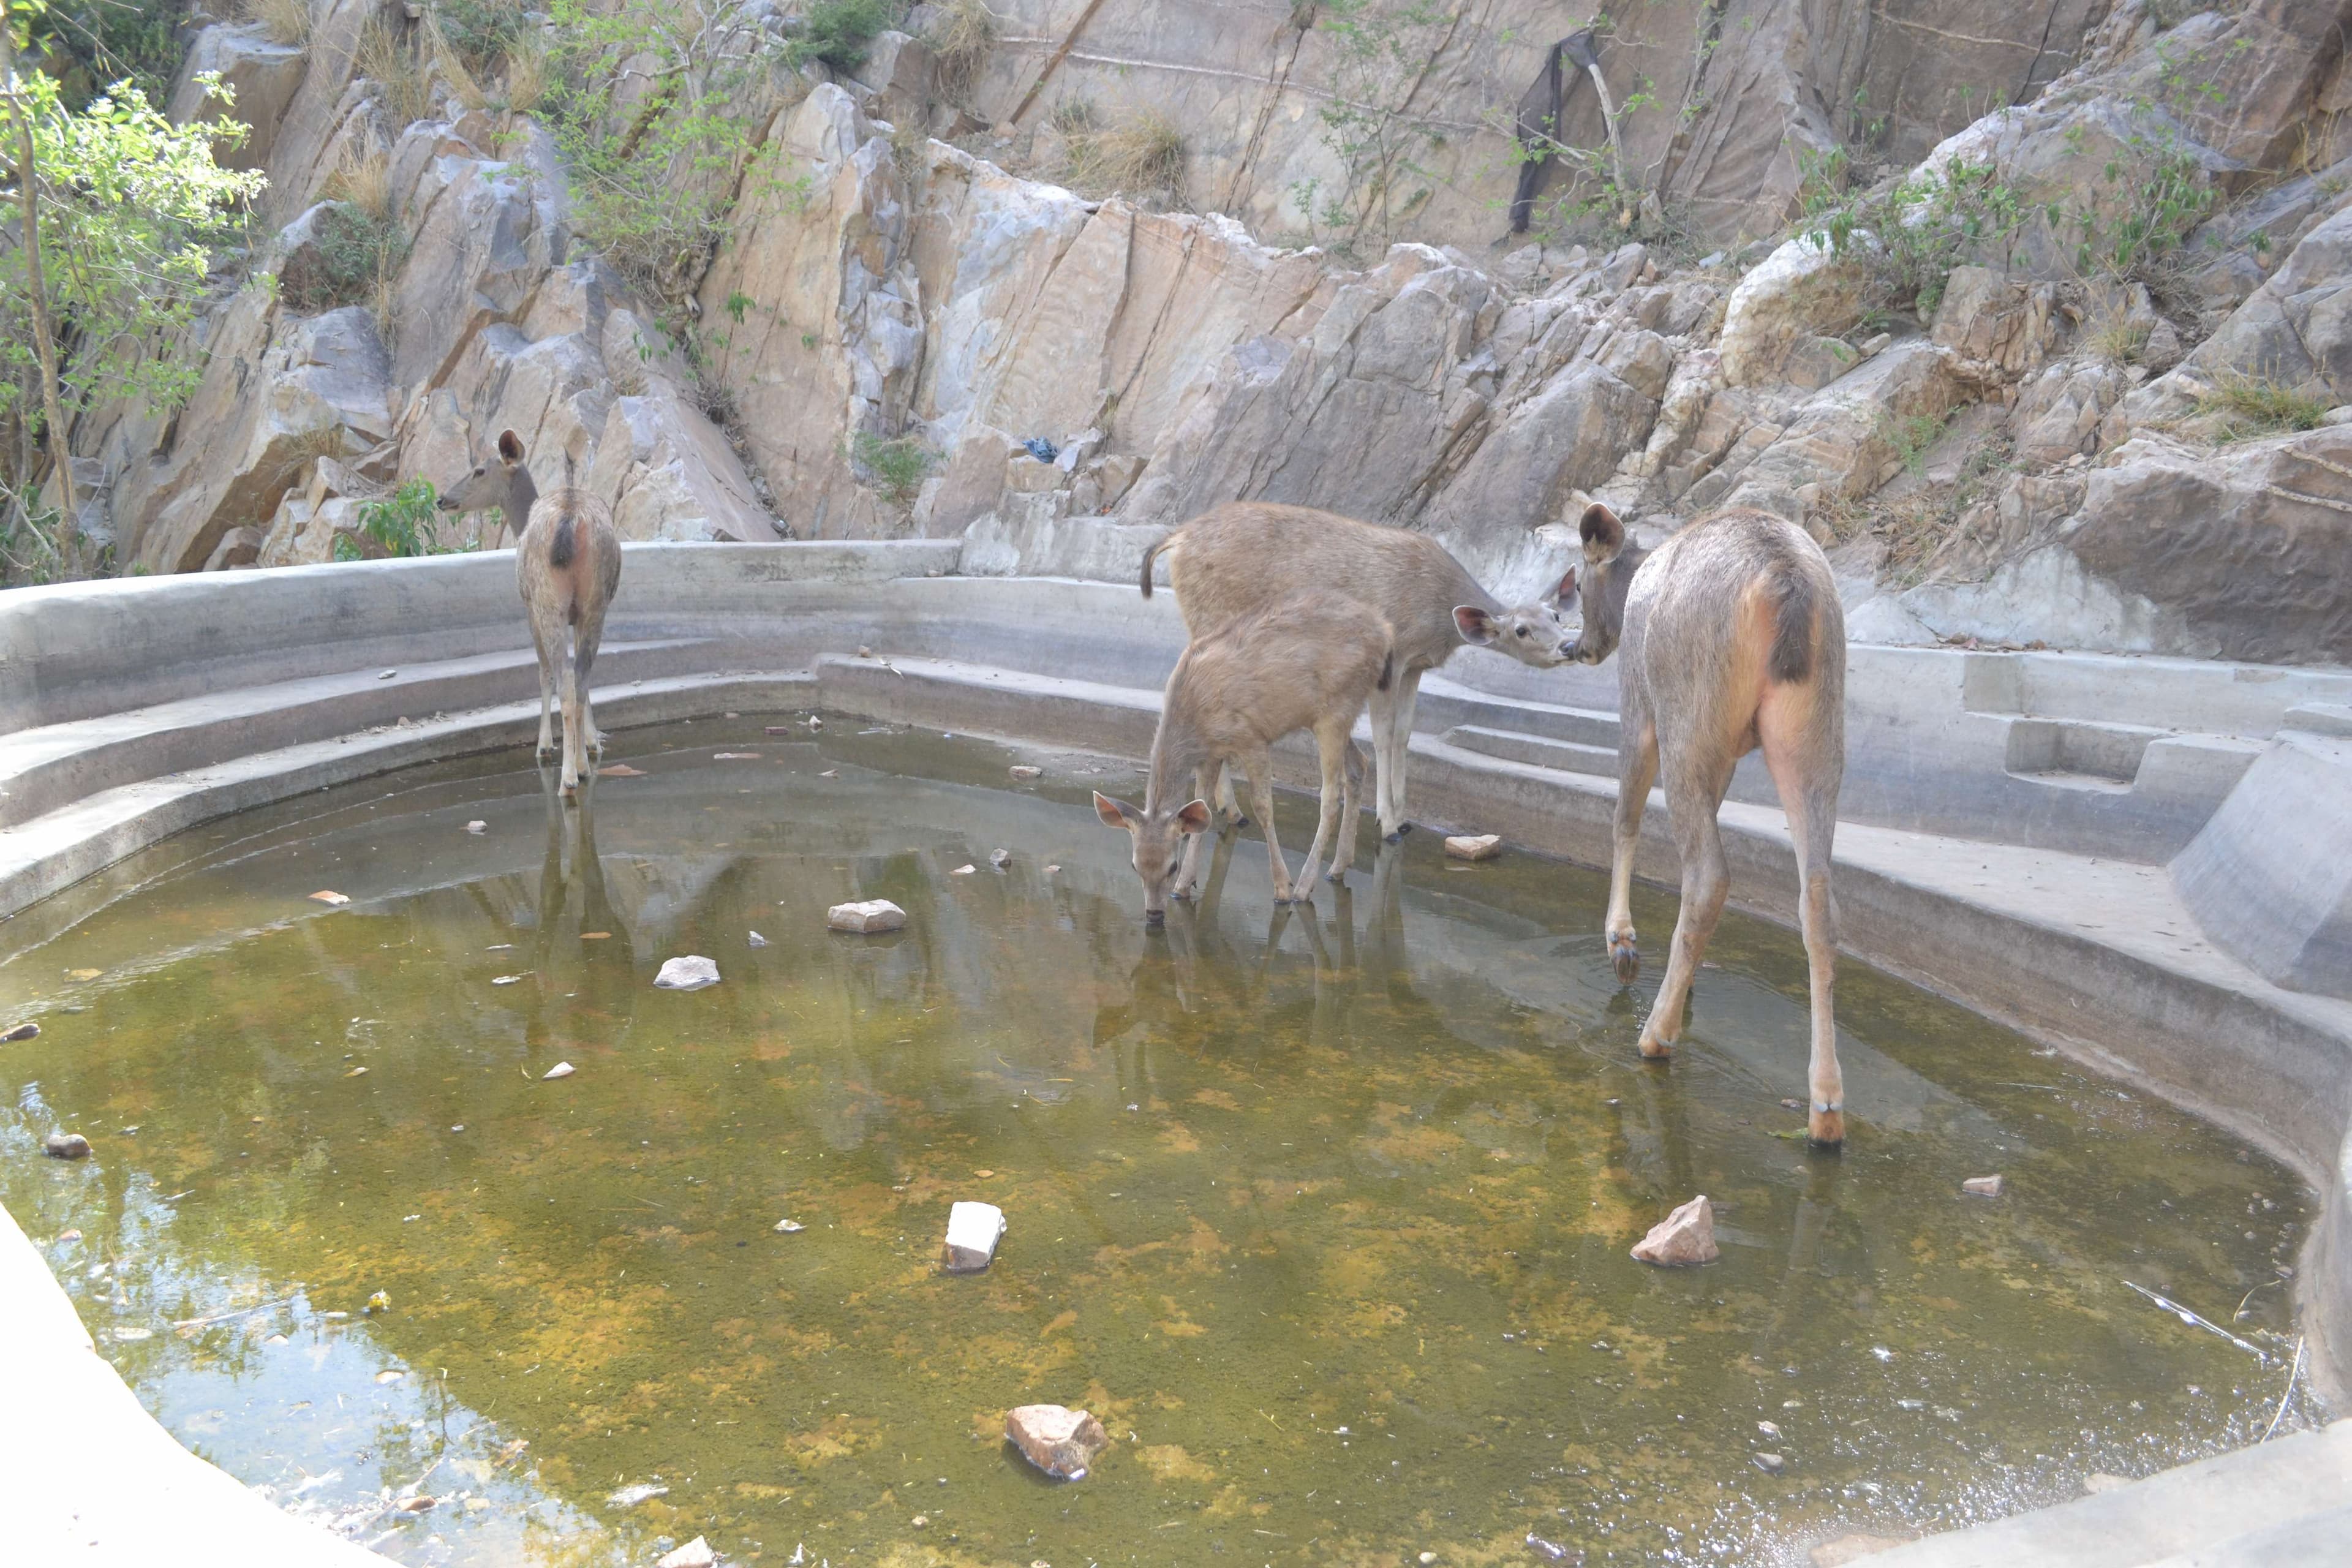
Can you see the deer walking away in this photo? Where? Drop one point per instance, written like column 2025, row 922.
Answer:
column 567, row 565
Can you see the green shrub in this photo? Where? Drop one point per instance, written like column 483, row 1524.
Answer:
column 358, row 251
column 899, row 466
column 481, row 33
column 401, row 525
column 835, row 32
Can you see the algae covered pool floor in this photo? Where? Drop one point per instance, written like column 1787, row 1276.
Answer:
column 1324, row 1212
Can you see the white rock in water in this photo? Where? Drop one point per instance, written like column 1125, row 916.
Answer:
column 695, row 1553
column 691, row 972
column 759, row 941
column 477, row 826
column 560, row 1070
column 1024, row 771
column 630, row 1497
column 789, row 1228
column 1982, row 1186
column 963, row 870
column 1484, row 847
column 1058, row 1441
column 1684, row 1236
column 1000, row 859
column 873, row 915
column 974, row 1231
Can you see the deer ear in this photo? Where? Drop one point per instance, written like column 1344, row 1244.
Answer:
column 1602, row 534
column 510, row 448
column 1195, row 817
column 1476, row 626
column 1114, row 813
column 1559, row 597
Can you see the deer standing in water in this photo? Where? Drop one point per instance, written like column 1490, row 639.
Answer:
column 1235, row 559
column 1733, row 639
column 1306, row 662
column 567, row 564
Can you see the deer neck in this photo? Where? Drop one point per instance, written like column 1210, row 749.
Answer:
column 521, row 496
column 1176, row 752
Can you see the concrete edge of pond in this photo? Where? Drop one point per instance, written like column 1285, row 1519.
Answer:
column 2028, row 947
column 92, row 1478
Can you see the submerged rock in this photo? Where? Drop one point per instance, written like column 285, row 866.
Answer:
column 974, row 1231
column 874, row 915
column 789, row 1228
column 1059, row 1441
column 477, row 826
column 758, row 941
column 1684, row 1236
column 691, row 972
column 560, row 1070
column 65, row 1146
column 1982, row 1186
column 695, row 1553
column 1483, row 847
column 21, row 1032
column 630, row 1497
column 1770, row 1464
column 1000, row 859
column 1024, row 771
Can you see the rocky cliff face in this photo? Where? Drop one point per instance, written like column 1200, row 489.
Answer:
column 2124, row 455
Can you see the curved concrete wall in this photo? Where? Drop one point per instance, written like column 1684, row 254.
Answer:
column 1987, row 797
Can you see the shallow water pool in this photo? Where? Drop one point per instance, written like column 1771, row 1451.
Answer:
column 1324, row 1212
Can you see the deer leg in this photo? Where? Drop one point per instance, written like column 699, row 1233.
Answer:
column 1351, row 772
column 1805, row 767
column 1228, row 803
column 1404, row 690
column 1331, row 746
column 1383, row 724
column 1260, row 769
column 547, row 656
column 585, row 639
column 1206, row 781
column 575, row 750
column 1694, row 792
column 1637, row 768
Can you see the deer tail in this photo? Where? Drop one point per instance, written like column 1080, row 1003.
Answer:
column 565, row 544
column 1150, row 553
column 1388, row 669
column 1793, row 614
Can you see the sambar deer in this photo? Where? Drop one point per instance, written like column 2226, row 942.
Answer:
column 1306, row 662
column 1732, row 639
column 567, row 564
column 1236, row 559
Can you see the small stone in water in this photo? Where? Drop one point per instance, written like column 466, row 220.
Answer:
column 329, row 896
column 1982, row 1186
column 1684, row 1236
column 1426, row 1558
column 1770, row 1464
column 68, row 1236
column 1000, row 859
column 419, row 1503
column 758, row 941
column 789, row 1228
column 504, row 979
column 974, row 1231
column 560, row 1070
column 691, row 972
column 356, row 1072
column 1052, row 869
column 963, row 870
column 1061, row 1442
column 458, row 1127
column 695, row 1553
column 21, row 1032
column 1552, row 1551
column 379, row 1302
column 734, row 756
column 1024, row 771
column 871, row 917
column 1768, row 1428
column 1479, row 846
column 477, row 826
column 65, row 1146
column 630, row 1497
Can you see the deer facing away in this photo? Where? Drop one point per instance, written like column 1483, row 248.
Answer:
column 567, row 564
column 1236, row 559
column 1306, row 662
column 1731, row 638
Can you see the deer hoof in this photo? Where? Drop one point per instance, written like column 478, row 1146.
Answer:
column 1655, row 1048
column 1825, row 1128
column 1626, row 957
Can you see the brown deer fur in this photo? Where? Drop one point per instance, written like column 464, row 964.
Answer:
column 1236, row 559
column 1732, row 639
column 1307, row 662
column 567, row 564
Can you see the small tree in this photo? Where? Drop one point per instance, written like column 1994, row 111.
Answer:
column 115, row 209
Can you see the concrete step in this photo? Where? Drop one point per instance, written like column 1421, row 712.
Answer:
column 1539, row 751
column 2278, row 1502
column 1447, row 704
column 44, row 769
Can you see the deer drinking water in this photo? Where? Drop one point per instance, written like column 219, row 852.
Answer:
column 1306, row 662
column 567, row 564
column 1733, row 639
column 1235, row 559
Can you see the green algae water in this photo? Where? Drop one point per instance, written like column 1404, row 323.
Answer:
column 1324, row 1212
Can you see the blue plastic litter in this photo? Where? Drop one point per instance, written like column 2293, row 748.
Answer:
column 1044, row 451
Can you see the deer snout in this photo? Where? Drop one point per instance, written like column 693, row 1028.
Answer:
column 1155, row 917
